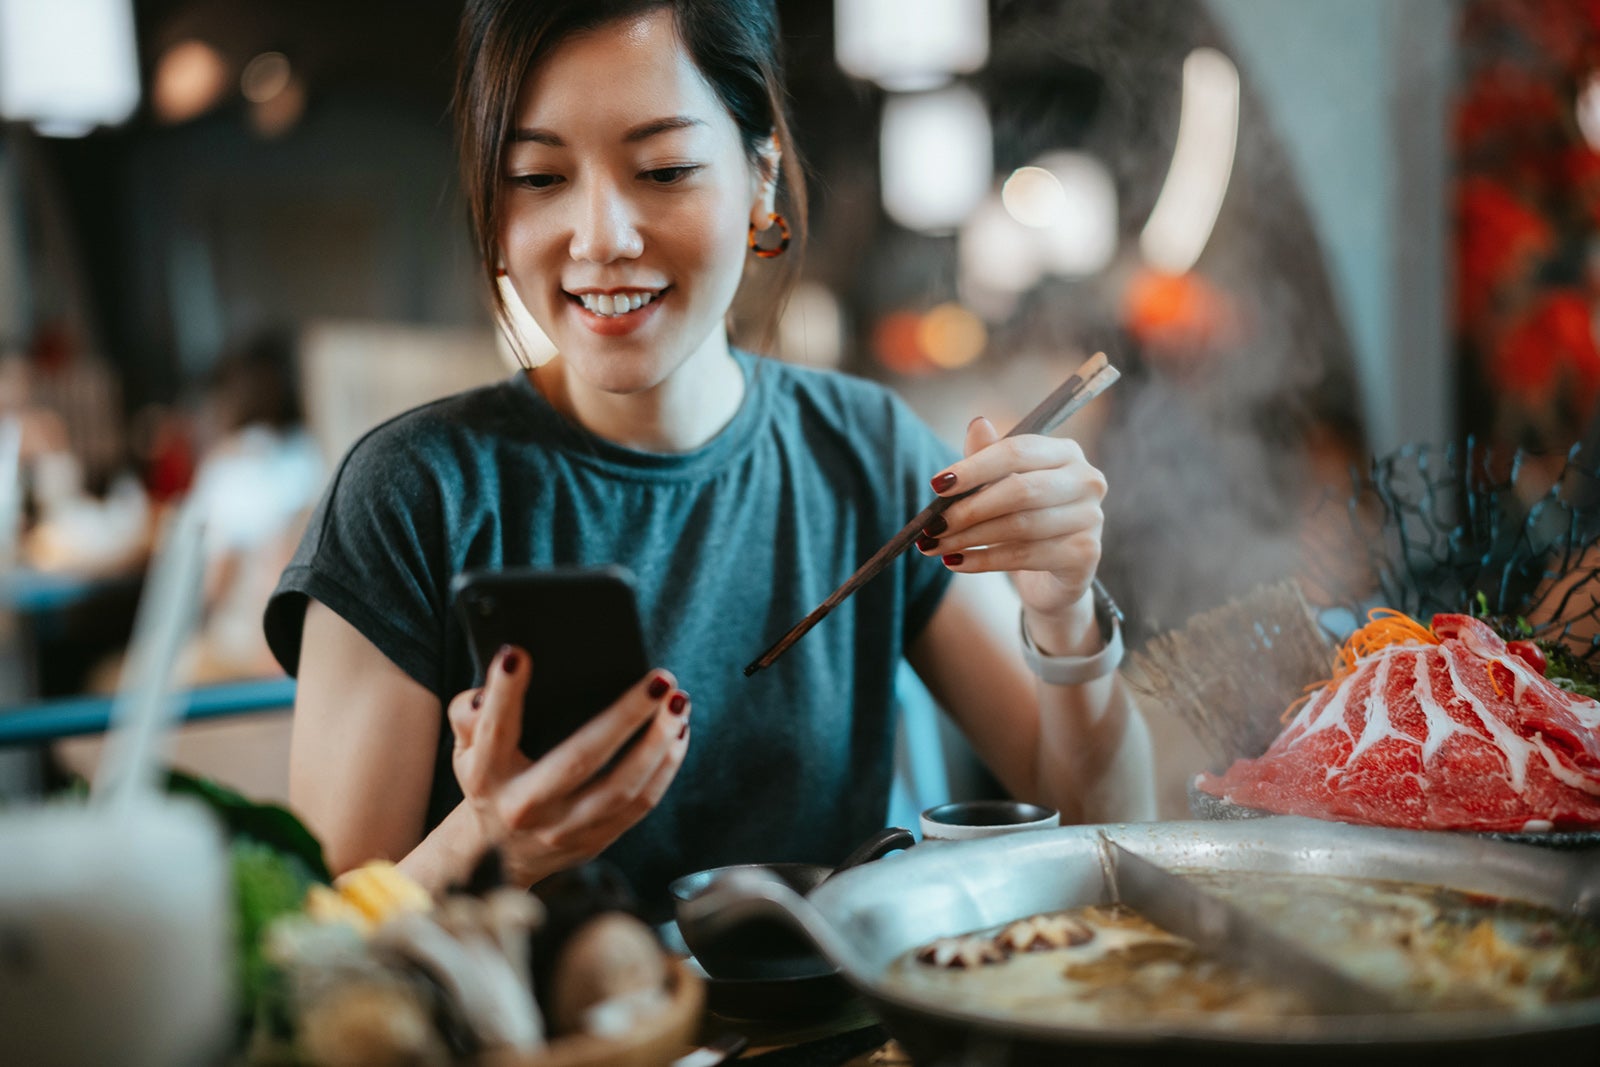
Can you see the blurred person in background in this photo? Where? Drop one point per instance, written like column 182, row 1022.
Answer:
column 257, row 477
column 623, row 161
column 84, row 514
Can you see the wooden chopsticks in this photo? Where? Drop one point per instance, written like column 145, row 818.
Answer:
column 1089, row 381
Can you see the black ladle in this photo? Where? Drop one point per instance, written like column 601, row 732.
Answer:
column 763, row 949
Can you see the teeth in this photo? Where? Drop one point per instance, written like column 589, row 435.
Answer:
column 610, row 306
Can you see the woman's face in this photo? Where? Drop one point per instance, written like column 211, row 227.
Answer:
column 626, row 203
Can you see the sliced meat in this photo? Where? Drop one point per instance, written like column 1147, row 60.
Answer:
column 1462, row 735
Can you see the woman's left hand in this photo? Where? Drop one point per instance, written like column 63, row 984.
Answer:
column 1037, row 517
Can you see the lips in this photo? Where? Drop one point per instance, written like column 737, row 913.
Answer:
column 614, row 312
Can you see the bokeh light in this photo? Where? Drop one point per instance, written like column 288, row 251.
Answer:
column 951, row 336
column 191, row 78
column 265, row 77
column 1034, row 197
column 897, row 343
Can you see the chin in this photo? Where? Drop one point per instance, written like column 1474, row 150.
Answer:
column 622, row 373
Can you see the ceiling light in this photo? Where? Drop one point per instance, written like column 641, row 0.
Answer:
column 937, row 157
column 910, row 45
column 996, row 253
column 68, row 65
column 1081, row 239
column 1202, row 163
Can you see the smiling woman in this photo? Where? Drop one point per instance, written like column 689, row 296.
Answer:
column 623, row 163
column 626, row 240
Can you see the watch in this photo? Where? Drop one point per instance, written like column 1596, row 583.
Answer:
column 1076, row 670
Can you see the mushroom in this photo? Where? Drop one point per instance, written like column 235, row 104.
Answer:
column 492, row 998
column 368, row 1024
column 1043, row 932
column 614, row 962
column 972, row 950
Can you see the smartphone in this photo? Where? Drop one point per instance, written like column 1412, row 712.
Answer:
column 581, row 627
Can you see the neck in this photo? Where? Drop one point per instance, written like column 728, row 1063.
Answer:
column 680, row 414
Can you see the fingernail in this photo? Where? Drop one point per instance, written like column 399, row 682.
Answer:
column 927, row 544
column 678, row 702
column 953, row 559
column 477, row 699
column 936, row 526
column 658, row 687
column 683, row 732
column 944, row 483
column 511, row 661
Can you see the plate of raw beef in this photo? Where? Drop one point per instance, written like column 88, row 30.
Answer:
column 1435, row 728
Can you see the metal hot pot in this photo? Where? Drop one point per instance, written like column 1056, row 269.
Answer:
column 866, row 918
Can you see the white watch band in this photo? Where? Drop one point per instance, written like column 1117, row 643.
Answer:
column 1075, row 670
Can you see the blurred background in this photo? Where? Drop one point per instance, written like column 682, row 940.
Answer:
column 1307, row 233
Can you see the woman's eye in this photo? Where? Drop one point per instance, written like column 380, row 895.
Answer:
column 669, row 175
column 536, row 181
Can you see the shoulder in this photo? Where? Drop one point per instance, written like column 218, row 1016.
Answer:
column 435, row 441
column 853, row 404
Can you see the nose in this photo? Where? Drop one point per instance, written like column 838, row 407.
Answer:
column 606, row 227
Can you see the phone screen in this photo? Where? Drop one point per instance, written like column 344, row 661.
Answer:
column 580, row 627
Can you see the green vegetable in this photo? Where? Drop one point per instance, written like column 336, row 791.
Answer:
column 268, row 824
column 274, row 859
column 1568, row 671
column 266, row 885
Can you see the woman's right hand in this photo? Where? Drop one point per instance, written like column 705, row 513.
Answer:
column 555, row 812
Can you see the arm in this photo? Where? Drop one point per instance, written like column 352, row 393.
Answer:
column 361, row 758
column 362, row 752
column 1083, row 750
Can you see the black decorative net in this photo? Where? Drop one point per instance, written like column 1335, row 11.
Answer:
column 1464, row 529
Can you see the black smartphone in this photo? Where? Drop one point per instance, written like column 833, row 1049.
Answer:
column 581, row 627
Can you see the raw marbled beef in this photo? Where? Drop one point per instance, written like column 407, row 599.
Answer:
column 1462, row 735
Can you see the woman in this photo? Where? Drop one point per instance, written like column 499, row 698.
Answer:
column 622, row 159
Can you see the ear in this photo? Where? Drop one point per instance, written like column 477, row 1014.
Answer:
column 770, row 159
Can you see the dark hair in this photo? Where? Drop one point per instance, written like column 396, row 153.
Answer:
column 734, row 43
column 254, row 383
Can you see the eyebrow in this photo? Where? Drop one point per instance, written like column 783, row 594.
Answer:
column 642, row 132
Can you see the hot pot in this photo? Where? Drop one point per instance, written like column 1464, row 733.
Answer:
column 866, row 918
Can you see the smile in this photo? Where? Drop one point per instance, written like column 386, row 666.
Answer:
column 613, row 305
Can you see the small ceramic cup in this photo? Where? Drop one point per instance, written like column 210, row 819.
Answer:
column 965, row 820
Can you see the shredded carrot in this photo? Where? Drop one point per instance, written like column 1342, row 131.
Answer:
column 1385, row 627
column 1490, row 666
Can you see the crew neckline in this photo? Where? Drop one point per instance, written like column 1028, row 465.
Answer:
column 583, row 446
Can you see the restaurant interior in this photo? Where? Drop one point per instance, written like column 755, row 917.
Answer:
column 1345, row 257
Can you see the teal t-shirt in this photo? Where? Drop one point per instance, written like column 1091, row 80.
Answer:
column 731, row 545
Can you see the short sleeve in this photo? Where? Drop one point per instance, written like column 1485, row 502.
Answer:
column 921, row 455
column 373, row 552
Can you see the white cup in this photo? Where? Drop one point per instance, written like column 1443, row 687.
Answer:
column 965, row 820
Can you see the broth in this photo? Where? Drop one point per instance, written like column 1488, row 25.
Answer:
column 1431, row 949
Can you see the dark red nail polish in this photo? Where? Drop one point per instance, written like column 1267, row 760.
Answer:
column 683, row 732
column 944, row 482
column 936, row 526
column 927, row 544
column 678, row 702
column 658, row 687
column 511, row 662
column 953, row 559
column 477, row 699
